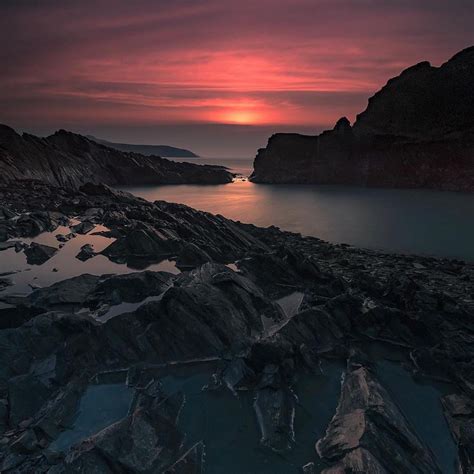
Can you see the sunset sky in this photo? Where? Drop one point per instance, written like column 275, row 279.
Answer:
column 215, row 76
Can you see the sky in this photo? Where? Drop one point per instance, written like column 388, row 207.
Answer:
column 216, row 76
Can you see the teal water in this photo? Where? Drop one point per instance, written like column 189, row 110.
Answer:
column 228, row 425
column 421, row 404
column 99, row 407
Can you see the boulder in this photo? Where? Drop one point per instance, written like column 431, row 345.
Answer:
column 37, row 254
column 83, row 227
column 87, row 252
column 70, row 293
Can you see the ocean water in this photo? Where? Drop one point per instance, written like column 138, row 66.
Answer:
column 416, row 221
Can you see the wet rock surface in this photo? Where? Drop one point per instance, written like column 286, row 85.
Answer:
column 368, row 430
column 267, row 309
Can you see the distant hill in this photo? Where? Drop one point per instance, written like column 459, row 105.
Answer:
column 159, row 150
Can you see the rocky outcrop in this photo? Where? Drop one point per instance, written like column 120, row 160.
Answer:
column 70, row 160
column 370, row 434
column 260, row 312
column 417, row 132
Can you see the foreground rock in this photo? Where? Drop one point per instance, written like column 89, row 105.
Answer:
column 69, row 160
column 145, row 441
column 261, row 309
column 37, row 254
column 370, row 434
column 417, row 132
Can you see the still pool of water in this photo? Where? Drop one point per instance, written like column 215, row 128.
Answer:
column 64, row 264
column 400, row 220
column 99, row 407
column 420, row 401
column 228, row 424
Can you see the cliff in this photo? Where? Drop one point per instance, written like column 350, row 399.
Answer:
column 70, row 160
column 417, row 132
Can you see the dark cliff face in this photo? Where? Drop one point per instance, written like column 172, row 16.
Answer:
column 70, row 160
column 417, row 131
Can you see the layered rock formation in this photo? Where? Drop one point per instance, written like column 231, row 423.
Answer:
column 228, row 309
column 70, row 160
column 417, row 132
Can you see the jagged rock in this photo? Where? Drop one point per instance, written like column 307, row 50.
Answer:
column 65, row 237
column 131, row 288
column 64, row 294
column 236, row 373
column 37, row 254
column 145, row 441
column 191, row 256
column 358, row 460
column 83, row 227
column 466, row 447
column 351, row 297
column 87, row 252
column 70, row 160
column 275, row 411
column 417, row 131
column 459, row 412
column 142, row 244
column 368, row 420
column 32, row 224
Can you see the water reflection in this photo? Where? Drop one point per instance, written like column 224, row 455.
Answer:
column 64, row 263
column 413, row 221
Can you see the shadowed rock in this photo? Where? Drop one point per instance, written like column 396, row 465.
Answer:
column 70, row 160
column 369, row 422
column 417, row 132
column 37, row 254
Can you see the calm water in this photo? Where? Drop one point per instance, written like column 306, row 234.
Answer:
column 229, row 427
column 425, row 414
column 412, row 221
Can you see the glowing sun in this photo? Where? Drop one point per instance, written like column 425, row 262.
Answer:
column 241, row 117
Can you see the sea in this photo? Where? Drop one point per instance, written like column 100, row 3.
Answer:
column 412, row 221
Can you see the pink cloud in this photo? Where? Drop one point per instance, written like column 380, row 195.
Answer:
column 266, row 62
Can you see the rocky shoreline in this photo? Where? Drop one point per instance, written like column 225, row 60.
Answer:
column 257, row 311
column 71, row 160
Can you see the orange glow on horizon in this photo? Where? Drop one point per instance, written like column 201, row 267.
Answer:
column 267, row 63
column 241, row 117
